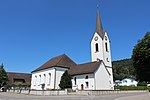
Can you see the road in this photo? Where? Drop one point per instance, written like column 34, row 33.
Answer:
column 132, row 96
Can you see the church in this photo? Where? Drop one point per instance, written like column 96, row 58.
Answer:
column 94, row 75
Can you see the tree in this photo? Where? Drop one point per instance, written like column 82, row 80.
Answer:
column 65, row 81
column 3, row 76
column 141, row 58
column 123, row 69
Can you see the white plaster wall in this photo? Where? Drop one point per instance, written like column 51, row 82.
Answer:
column 59, row 73
column 111, row 76
column 98, row 54
column 102, row 79
column 36, row 84
column 107, row 54
column 80, row 79
column 50, row 83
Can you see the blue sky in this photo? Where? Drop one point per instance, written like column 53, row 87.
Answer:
column 33, row 31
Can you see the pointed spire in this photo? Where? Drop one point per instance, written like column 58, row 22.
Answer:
column 99, row 28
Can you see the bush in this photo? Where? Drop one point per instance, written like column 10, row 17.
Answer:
column 142, row 83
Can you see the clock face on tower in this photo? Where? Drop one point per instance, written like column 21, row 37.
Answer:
column 96, row 38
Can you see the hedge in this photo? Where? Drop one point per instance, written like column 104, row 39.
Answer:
column 132, row 88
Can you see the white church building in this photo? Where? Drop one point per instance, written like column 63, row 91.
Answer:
column 94, row 75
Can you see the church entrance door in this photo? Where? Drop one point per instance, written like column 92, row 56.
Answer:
column 82, row 87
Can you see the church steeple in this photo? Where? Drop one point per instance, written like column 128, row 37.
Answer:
column 99, row 28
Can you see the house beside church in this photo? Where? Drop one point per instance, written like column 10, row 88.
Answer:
column 94, row 75
column 14, row 77
column 126, row 82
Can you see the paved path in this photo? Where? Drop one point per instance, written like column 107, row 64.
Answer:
column 132, row 96
column 145, row 96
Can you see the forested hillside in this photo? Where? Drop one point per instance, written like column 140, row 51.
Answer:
column 122, row 69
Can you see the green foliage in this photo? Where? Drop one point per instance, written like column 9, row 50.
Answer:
column 142, row 83
column 18, row 84
column 131, row 88
column 3, row 76
column 141, row 58
column 65, row 81
column 123, row 69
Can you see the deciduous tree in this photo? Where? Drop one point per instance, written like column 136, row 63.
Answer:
column 141, row 58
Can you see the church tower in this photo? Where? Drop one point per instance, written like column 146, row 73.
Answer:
column 100, row 43
column 100, row 48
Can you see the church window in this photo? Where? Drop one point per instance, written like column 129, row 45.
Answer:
column 35, row 80
column 86, row 77
column 75, row 80
column 87, row 84
column 40, row 79
column 44, row 78
column 96, row 47
column 49, row 79
column 106, row 47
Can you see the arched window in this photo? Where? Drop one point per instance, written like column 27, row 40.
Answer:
column 87, row 84
column 96, row 47
column 35, row 80
column 40, row 79
column 86, row 77
column 75, row 80
column 44, row 78
column 106, row 47
column 49, row 79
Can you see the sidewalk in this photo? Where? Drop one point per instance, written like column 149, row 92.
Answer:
column 137, row 97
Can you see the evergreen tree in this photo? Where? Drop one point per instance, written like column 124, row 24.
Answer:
column 141, row 58
column 3, row 76
column 65, row 81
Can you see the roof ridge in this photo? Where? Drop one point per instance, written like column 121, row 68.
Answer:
column 62, row 56
column 88, row 63
column 17, row 73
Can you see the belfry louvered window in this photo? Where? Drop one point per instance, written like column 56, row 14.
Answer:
column 96, row 47
column 106, row 47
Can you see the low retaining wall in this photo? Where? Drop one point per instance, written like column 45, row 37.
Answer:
column 39, row 92
column 62, row 92
column 101, row 92
column 57, row 92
